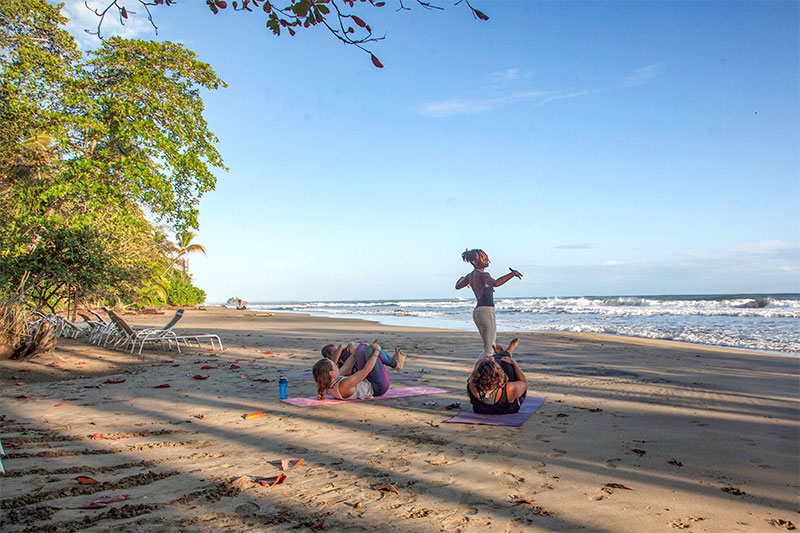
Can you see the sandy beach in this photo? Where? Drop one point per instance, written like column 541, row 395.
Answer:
column 635, row 435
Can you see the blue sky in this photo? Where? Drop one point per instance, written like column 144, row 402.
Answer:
column 598, row 147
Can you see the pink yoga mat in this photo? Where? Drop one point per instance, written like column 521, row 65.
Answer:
column 529, row 406
column 400, row 392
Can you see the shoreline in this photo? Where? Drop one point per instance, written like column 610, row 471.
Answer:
column 635, row 435
column 427, row 323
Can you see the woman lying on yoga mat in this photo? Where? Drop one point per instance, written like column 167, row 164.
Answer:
column 363, row 375
column 497, row 386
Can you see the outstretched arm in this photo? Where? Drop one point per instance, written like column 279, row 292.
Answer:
column 462, row 282
column 503, row 279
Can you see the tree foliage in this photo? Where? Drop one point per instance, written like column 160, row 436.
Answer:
column 339, row 17
column 92, row 148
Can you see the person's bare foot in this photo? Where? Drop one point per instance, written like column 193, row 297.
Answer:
column 399, row 358
column 512, row 345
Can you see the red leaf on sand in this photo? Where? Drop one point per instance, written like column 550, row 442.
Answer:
column 415, row 358
column 518, row 500
column 238, row 360
column 109, row 380
column 199, row 376
column 207, row 367
column 176, row 364
column 111, row 499
column 19, row 384
column 15, row 377
column 319, row 525
column 267, row 353
column 200, row 416
column 61, row 405
column 257, row 414
column 234, row 367
column 157, row 364
column 85, row 480
column 102, row 502
column 389, row 488
column 21, row 396
column 98, row 436
column 376, row 61
column 90, row 506
column 24, row 369
column 288, row 464
column 163, row 386
column 170, row 361
column 269, row 481
column 54, row 363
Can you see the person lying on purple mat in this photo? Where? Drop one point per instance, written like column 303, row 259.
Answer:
column 362, row 375
column 497, row 385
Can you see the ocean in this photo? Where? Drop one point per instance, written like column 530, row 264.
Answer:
column 761, row 322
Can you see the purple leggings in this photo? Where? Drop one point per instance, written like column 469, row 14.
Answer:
column 378, row 376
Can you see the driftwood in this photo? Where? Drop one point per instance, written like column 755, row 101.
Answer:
column 42, row 340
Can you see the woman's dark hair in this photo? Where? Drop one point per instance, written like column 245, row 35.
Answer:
column 471, row 255
column 328, row 351
column 321, row 373
column 488, row 375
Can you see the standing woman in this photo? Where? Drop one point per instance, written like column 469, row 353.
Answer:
column 483, row 286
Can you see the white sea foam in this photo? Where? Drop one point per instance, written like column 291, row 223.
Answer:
column 759, row 322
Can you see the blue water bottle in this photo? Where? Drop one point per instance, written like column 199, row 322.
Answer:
column 283, row 383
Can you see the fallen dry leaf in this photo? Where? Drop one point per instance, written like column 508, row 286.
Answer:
column 162, row 386
column 21, row 396
column 518, row 500
column 234, row 367
column 269, row 481
column 24, row 369
column 389, row 488
column 114, row 381
column 98, row 436
column 617, row 486
column 288, row 464
column 85, row 480
column 257, row 414
column 199, row 376
column 201, row 416
column 319, row 525
column 61, row 405
column 207, row 367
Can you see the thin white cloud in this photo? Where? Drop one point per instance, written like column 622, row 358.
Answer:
column 508, row 74
column 643, row 75
column 472, row 106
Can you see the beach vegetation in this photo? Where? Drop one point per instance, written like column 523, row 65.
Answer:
column 96, row 148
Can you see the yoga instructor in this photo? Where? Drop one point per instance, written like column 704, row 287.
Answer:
column 483, row 286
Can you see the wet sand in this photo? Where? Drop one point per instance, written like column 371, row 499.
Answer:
column 636, row 435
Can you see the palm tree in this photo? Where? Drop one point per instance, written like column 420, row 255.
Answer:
column 183, row 248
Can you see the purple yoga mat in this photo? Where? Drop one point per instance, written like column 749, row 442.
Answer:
column 393, row 377
column 529, row 406
column 400, row 392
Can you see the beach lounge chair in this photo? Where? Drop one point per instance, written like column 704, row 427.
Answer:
column 157, row 335
column 128, row 336
column 96, row 327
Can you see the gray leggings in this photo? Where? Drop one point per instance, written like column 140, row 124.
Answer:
column 483, row 315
